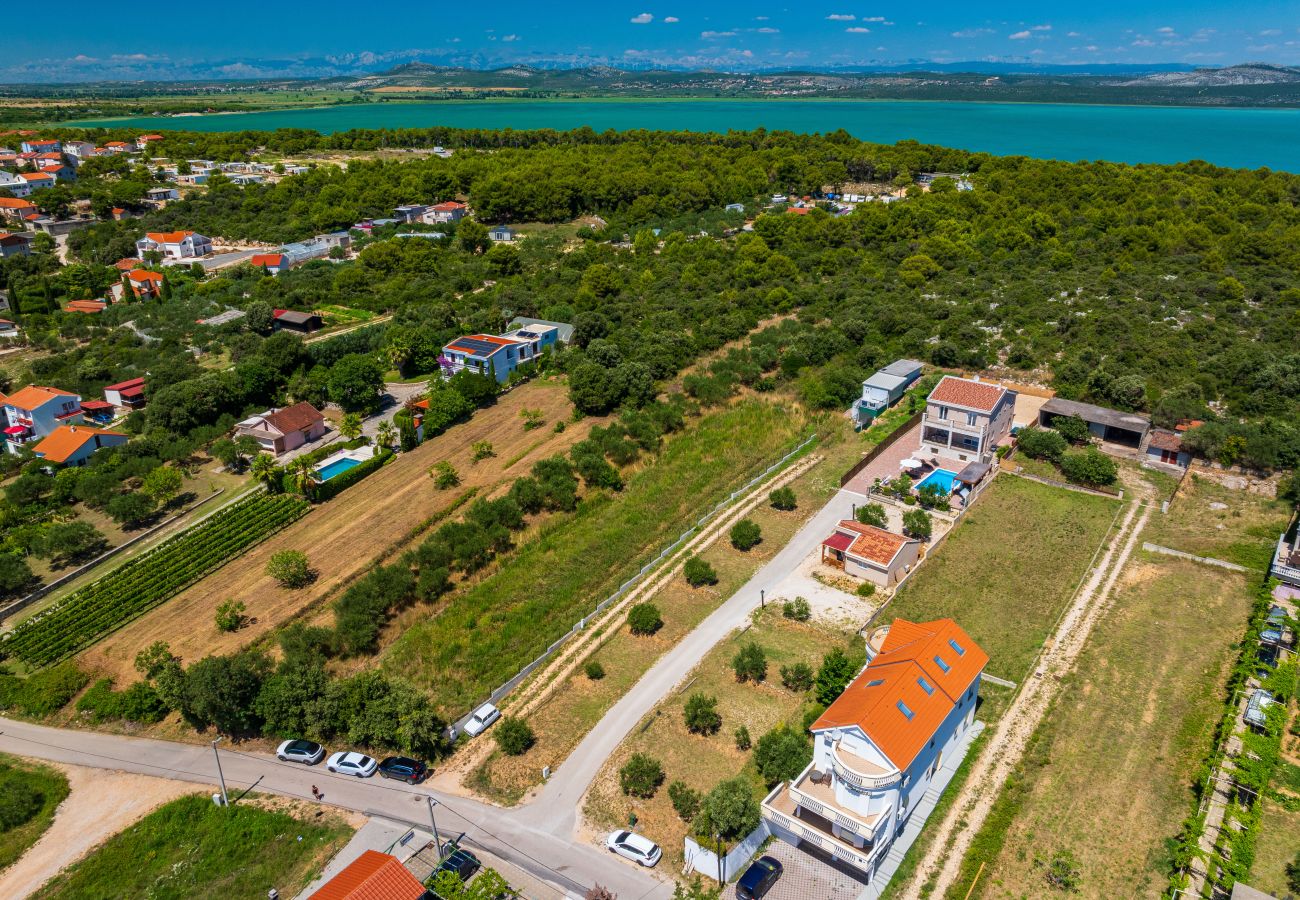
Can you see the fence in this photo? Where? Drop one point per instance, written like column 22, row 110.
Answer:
column 497, row 695
column 880, row 448
column 705, row 861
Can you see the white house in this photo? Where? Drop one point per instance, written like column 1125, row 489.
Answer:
column 34, row 412
column 885, row 388
column 162, row 194
column 882, row 744
column 966, row 419
column 14, row 184
column 501, row 234
column 174, row 244
column 447, row 211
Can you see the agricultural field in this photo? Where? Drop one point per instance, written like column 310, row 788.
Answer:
column 192, row 848
column 345, row 315
column 46, row 786
column 146, row 581
column 1009, row 568
column 1208, row 519
column 574, row 561
column 575, row 706
column 704, row 761
column 345, row 536
column 1275, row 849
column 1106, row 781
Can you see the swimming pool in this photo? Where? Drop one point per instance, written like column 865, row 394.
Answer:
column 940, row 478
column 327, row 472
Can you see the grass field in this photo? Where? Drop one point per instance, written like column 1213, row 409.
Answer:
column 51, row 786
column 1208, row 519
column 343, row 537
column 191, row 849
column 1107, row 779
column 1277, row 847
column 576, row 706
column 488, row 633
column 703, row 761
column 1009, row 568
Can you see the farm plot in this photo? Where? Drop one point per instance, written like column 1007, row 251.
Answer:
column 345, row 536
column 1105, row 785
column 144, row 582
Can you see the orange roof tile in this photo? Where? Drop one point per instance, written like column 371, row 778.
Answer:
column 980, row 395
column 168, row 237
column 271, row 260
column 126, row 264
column 85, row 306
column 35, row 176
column 15, row 203
column 145, row 276
column 872, row 543
column 35, row 396
column 66, row 440
column 930, row 645
column 372, row 876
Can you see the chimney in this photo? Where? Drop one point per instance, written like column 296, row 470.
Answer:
column 74, row 428
column 974, row 378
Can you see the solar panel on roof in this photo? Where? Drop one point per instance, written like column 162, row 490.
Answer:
column 484, row 347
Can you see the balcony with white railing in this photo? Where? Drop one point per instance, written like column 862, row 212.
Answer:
column 781, row 811
column 1282, row 559
column 861, row 773
column 820, row 798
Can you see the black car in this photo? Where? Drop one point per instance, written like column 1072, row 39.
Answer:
column 403, row 768
column 460, row 861
column 758, row 878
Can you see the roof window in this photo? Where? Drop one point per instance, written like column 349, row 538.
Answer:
column 925, row 685
column 902, row 707
column 961, row 651
column 939, row 661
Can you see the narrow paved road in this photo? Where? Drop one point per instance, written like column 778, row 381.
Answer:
column 556, row 808
column 569, row 866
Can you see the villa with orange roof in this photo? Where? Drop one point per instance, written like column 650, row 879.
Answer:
column 885, row 749
column 966, row 419
column 34, row 412
column 447, row 211
column 74, row 445
column 144, row 283
column 16, row 208
column 174, row 244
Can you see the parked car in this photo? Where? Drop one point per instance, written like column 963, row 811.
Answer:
column 460, row 861
column 403, row 768
column 633, row 846
column 308, row 752
column 481, row 718
column 758, row 878
column 351, row 763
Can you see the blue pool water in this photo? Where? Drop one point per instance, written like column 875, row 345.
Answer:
column 941, row 478
column 334, row 468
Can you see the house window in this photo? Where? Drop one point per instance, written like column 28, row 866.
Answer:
column 925, row 685
column 961, row 651
column 902, row 707
column 971, row 418
column 939, row 661
column 943, row 412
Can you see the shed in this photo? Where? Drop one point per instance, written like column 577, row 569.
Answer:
column 292, row 320
column 1129, row 429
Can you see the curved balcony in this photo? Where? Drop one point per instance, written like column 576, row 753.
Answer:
column 860, row 773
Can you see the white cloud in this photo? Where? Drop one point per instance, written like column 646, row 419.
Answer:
column 767, row 30
column 671, row 19
column 1270, row 32
column 510, row 37
column 761, row 18
column 1074, row 34
column 1040, row 28
column 714, row 35
column 972, row 32
column 858, row 30
column 1019, row 36
column 1165, row 30
column 1092, row 48
column 1143, row 42
column 642, row 19
column 841, row 17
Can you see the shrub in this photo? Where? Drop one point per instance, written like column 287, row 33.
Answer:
column 741, row 735
column 699, row 573
column 836, row 671
column 20, row 800
column 1072, row 428
column 641, row 776
column 745, row 534
column 686, row 800
column 797, row 677
column 918, row 524
column 138, row 703
column 230, row 615
column 1041, row 443
column 514, row 736
column 781, row 754
column 1089, row 466
column 797, row 609
column 595, row 671
column 444, row 475
column 290, row 568
column 644, row 618
column 783, row 498
column 729, row 810
column 701, row 714
column 873, row 514
column 44, row 693
column 750, row 663
column 482, row 450
column 866, row 589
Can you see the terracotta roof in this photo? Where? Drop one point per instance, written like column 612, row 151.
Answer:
column 271, row 260
column 126, row 385
column 372, row 876
column 93, row 405
column 35, row 176
column 85, row 306
column 16, row 203
column 980, row 395
column 294, row 418
column 1187, row 426
column 873, row 544
column 127, row 264
column 145, row 276
column 168, row 237
column 66, row 440
column 799, row 210
column 35, row 396
column 448, row 205
column 1165, row 440
column 903, row 696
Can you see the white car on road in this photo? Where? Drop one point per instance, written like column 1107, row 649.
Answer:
column 633, row 846
column 308, row 752
column 357, row 764
column 481, row 718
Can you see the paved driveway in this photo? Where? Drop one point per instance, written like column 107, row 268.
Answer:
column 811, row 875
column 886, row 464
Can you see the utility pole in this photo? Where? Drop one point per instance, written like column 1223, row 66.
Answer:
column 717, row 848
column 225, row 800
column 437, row 840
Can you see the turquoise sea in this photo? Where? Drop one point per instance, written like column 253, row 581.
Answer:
column 1246, row 138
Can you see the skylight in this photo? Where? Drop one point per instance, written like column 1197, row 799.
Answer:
column 961, row 651
column 902, row 707
column 938, row 661
column 875, row 682
column 925, row 685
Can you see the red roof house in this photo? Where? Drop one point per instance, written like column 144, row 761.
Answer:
column 874, row 554
column 373, row 876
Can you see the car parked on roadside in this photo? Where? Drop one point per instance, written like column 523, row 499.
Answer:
column 308, row 752
column 481, row 719
column 403, row 768
column 758, row 879
column 630, row 845
column 352, row 763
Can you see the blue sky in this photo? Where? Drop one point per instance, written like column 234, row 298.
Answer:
column 107, row 40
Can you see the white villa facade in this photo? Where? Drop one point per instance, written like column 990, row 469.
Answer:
column 965, row 420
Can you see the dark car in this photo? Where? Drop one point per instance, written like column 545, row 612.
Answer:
column 460, row 861
column 758, row 878
column 403, row 768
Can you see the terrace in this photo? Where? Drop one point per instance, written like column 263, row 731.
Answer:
column 782, row 812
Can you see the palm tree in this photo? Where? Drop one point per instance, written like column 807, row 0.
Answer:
column 386, row 433
column 302, row 475
column 265, row 470
column 350, row 427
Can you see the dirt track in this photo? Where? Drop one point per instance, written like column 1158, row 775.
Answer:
column 343, row 536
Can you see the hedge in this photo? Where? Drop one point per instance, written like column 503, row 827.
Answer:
column 327, row 489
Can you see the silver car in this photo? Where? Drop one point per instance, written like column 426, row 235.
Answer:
column 481, row 718
column 308, row 752
column 353, row 763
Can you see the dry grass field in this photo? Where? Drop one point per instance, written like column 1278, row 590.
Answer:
column 344, row 536
column 1210, row 520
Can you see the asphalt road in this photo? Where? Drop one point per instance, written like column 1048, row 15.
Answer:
column 570, row 866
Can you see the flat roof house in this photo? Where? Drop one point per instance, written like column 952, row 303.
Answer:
column 966, row 419
column 281, row 430
column 127, row 394
column 487, row 354
column 563, row 330
column 897, row 732
column 874, row 554
column 1109, row 425
column 74, row 445
column 34, row 412
column 174, row 244
column 885, row 388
